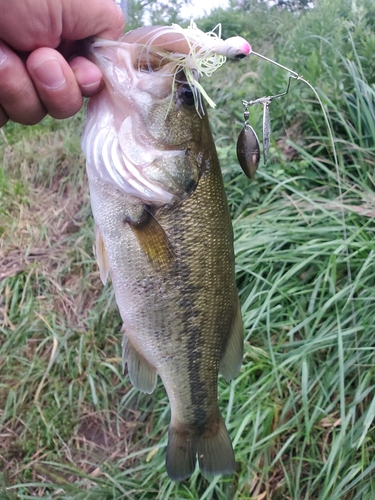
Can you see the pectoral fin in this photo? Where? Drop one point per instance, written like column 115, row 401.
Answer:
column 151, row 237
column 231, row 360
column 142, row 375
column 101, row 256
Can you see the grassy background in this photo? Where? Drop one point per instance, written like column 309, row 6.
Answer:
column 301, row 411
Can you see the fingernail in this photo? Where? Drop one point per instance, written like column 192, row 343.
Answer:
column 91, row 87
column 2, row 55
column 50, row 74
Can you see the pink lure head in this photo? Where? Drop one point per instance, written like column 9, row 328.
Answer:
column 234, row 47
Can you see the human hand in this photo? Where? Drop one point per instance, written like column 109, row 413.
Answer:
column 40, row 71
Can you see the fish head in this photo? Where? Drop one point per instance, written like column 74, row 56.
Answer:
column 144, row 132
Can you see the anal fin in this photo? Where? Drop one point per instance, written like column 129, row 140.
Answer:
column 230, row 363
column 142, row 375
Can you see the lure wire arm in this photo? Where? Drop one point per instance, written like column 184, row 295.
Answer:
column 265, row 102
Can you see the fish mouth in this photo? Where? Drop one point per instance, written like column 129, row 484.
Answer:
column 156, row 160
column 85, row 47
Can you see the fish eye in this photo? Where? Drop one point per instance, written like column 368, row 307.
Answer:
column 186, row 94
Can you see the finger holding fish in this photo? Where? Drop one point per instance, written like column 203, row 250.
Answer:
column 19, row 100
column 44, row 83
column 56, row 84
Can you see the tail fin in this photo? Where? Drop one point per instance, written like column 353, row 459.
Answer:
column 214, row 450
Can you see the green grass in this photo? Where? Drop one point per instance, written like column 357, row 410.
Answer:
column 301, row 411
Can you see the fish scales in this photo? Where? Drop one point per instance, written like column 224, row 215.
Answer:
column 181, row 315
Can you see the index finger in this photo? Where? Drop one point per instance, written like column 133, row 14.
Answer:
column 98, row 17
column 48, row 23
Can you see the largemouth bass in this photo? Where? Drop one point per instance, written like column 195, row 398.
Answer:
column 164, row 235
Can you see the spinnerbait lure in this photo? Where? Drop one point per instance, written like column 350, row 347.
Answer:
column 248, row 148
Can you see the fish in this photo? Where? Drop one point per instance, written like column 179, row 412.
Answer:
column 164, row 234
